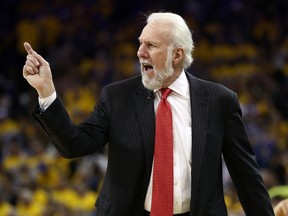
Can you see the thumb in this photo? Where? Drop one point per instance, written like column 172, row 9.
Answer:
column 28, row 48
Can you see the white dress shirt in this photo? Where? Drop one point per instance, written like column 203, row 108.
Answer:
column 44, row 103
column 179, row 101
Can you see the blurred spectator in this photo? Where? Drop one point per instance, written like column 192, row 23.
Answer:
column 281, row 209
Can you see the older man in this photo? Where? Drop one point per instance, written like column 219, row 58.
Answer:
column 167, row 132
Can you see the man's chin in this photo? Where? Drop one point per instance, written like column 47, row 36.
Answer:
column 150, row 83
column 146, row 84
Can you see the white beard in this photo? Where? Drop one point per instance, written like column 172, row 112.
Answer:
column 160, row 76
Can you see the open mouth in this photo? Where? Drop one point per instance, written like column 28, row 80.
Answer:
column 147, row 67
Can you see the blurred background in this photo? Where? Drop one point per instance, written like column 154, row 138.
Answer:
column 242, row 44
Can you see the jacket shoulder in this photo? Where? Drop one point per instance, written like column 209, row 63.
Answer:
column 127, row 83
column 210, row 88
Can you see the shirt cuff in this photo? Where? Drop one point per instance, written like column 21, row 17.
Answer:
column 44, row 103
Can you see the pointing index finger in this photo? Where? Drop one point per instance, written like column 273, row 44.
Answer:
column 28, row 48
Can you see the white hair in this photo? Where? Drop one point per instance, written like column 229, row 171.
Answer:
column 180, row 34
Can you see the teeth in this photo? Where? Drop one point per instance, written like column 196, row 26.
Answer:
column 146, row 66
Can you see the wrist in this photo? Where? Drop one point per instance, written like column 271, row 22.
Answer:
column 46, row 91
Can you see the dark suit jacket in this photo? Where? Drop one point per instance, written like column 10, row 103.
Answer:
column 124, row 117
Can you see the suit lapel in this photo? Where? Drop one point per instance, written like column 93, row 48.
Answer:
column 199, row 110
column 144, row 108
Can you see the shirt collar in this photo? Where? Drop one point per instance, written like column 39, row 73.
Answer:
column 180, row 85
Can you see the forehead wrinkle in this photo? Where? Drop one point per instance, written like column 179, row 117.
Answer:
column 161, row 33
column 164, row 28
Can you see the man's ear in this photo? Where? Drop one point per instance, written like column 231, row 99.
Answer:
column 178, row 55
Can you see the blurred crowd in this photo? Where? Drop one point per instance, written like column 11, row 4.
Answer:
column 242, row 44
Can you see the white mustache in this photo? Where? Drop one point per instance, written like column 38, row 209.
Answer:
column 144, row 62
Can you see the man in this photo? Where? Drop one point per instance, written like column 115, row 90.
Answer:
column 206, row 120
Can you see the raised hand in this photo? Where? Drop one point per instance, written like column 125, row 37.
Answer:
column 38, row 73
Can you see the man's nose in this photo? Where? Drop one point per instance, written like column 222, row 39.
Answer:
column 141, row 53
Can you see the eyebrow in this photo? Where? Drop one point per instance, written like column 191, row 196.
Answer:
column 149, row 41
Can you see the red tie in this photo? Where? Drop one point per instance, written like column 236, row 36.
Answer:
column 162, row 192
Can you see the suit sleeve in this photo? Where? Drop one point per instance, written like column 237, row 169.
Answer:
column 74, row 140
column 242, row 165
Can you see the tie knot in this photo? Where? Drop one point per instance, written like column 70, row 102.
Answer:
column 165, row 92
